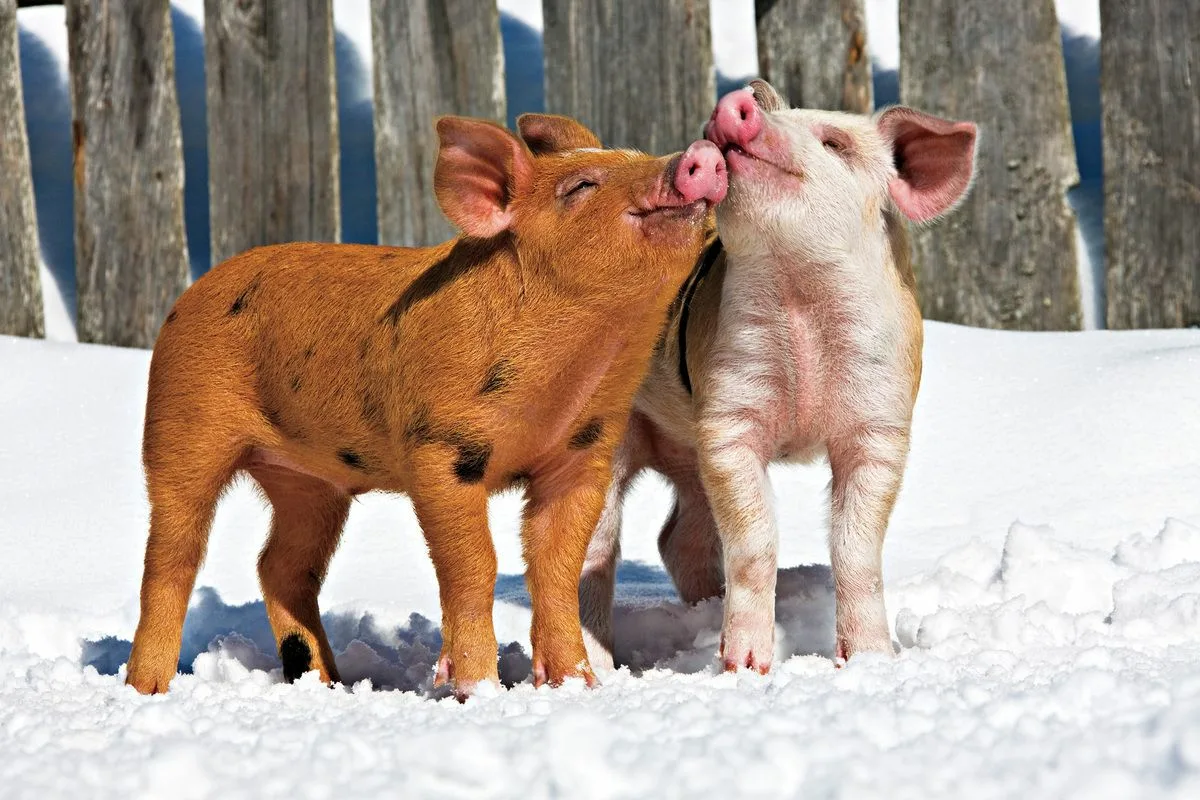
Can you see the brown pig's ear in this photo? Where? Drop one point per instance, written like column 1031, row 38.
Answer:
column 765, row 95
column 481, row 167
column 934, row 158
column 550, row 133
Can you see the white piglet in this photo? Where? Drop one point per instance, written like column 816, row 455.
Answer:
column 798, row 337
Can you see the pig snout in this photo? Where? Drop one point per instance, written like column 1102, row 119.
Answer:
column 700, row 174
column 736, row 120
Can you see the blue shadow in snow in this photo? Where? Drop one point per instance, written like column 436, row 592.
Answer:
column 391, row 657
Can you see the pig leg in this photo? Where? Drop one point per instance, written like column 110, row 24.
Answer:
column 597, row 584
column 598, row 581
column 453, row 517
column 866, row 477
column 735, row 479
column 183, row 497
column 307, row 521
column 560, row 516
column 690, row 544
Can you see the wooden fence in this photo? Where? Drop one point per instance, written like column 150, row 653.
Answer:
column 1006, row 259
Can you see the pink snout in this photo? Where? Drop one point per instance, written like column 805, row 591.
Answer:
column 736, row 120
column 701, row 173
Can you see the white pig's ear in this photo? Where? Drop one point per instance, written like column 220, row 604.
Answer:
column 551, row 133
column 480, row 168
column 934, row 159
column 766, row 96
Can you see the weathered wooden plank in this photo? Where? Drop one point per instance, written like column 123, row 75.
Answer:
column 1150, row 89
column 20, row 287
column 272, row 123
column 432, row 57
column 130, row 246
column 639, row 74
column 815, row 52
column 1006, row 258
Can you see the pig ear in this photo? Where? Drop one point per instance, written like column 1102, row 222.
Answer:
column 550, row 133
column 934, row 158
column 765, row 95
column 481, row 167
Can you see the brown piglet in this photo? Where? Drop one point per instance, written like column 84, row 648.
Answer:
column 507, row 356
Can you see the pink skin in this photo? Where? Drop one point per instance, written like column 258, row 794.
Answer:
column 697, row 181
column 738, row 127
column 701, row 173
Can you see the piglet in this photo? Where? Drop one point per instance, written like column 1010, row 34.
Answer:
column 507, row 356
column 799, row 337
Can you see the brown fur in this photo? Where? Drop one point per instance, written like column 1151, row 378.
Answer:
column 324, row 371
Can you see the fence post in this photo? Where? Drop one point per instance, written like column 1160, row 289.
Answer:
column 272, row 123
column 1150, row 90
column 639, row 74
column 432, row 57
column 1006, row 258
column 815, row 52
column 20, row 286
column 130, row 247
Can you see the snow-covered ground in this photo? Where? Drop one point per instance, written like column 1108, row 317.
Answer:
column 1043, row 576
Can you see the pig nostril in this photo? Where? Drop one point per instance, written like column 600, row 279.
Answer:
column 692, row 171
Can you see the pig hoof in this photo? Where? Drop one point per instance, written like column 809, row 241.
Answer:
column 543, row 674
column 148, row 683
column 847, row 647
column 460, row 685
column 148, row 677
column 745, row 650
column 748, row 661
column 599, row 653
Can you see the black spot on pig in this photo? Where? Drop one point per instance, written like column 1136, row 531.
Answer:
column 467, row 255
column 498, row 377
column 240, row 303
column 296, row 383
column 295, row 655
column 352, row 459
column 171, row 317
column 588, row 435
column 472, row 461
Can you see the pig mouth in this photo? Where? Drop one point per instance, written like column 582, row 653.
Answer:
column 740, row 159
column 672, row 212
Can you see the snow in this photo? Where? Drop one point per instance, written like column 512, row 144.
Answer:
column 1042, row 571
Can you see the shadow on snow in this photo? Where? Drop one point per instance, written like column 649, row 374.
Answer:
column 653, row 629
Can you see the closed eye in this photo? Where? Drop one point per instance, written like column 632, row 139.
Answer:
column 835, row 141
column 579, row 187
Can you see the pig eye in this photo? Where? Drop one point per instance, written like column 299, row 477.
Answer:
column 835, row 141
column 581, row 186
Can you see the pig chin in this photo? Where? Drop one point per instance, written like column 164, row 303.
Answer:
column 673, row 222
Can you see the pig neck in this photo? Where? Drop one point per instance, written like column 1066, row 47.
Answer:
column 833, row 326
column 614, row 321
column 835, row 293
